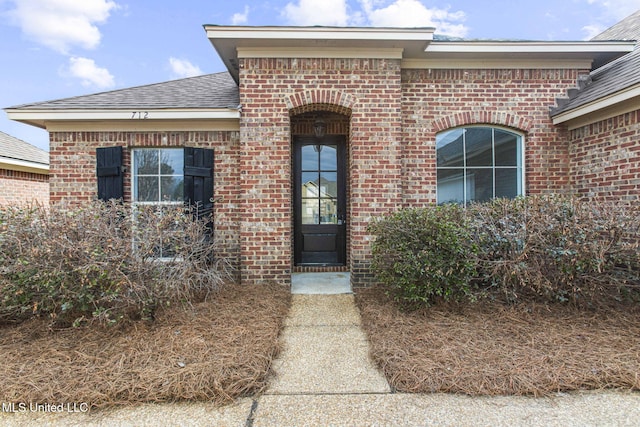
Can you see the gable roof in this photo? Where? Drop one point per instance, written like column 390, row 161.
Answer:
column 207, row 91
column 210, row 97
column 16, row 154
column 620, row 77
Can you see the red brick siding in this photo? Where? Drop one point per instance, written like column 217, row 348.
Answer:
column 436, row 100
column 73, row 174
column 391, row 118
column 605, row 159
column 20, row 188
column 271, row 91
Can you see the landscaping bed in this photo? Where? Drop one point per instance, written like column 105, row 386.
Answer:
column 215, row 350
column 489, row 348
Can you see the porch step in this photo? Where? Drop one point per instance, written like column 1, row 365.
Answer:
column 321, row 283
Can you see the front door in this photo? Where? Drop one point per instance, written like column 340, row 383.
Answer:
column 320, row 200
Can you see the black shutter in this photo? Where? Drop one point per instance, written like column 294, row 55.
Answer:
column 198, row 182
column 109, row 173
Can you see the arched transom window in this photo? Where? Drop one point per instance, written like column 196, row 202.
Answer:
column 479, row 163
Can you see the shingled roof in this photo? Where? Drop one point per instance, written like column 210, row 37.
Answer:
column 614, row 77
column 207, row 91
column 627, row 29
column 17, row 149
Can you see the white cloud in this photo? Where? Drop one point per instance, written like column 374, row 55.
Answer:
column 377, row 13
column 607, row 13
column 90, row 74
column 182, row 68
column 62, row 24
column 240, row 18
column 617, row 9
column 592, row 30
column 412, row 13
column 317, row 12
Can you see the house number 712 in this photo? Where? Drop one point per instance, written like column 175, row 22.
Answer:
column 141, row 115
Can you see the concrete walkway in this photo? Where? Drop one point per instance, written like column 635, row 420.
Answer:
column 324, row 378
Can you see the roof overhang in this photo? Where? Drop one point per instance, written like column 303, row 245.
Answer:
column 565, row 54
column 23, row 165
column 417, row 48
column 231, row 42
column 603, row 108
column 43, row 117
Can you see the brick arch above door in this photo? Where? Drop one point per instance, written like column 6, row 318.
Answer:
column 320, row 100
column 482, row 117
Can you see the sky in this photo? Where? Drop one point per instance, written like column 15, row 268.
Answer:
column 55, row 49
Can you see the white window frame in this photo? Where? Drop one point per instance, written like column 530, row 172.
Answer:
column 159, row 203
column 467, row 178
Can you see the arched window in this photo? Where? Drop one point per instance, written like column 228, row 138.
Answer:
column 479, row 163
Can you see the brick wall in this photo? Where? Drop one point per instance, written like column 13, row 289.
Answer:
column 436, row 100
column 73, row 173
column 23, row 187
column 391, row 118
column 274, row 90
column 605, row 159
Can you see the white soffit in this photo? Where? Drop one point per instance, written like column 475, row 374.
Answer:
column 23, row 165
column 528, row 47
column 416, row 47
column 591, row 54
column 497, row 63
column 272, row 41
column 39, row 118
column 340, row 53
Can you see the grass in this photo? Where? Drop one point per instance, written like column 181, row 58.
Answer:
column 493, row 349
column 216, row 350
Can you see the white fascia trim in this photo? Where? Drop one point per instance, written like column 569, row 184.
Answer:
column 528, row 47
column 598, row 105
column 377, row 53
column 494, row 63
column 23, row 166
column 319, row 33
column 225, row 125
column 129, row 114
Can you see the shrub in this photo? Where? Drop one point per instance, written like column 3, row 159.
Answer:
column 424, row 254
column 100, row 262
column 557, row 248
column 551, row 248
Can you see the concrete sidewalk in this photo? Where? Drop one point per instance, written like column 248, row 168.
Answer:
column 324, row 377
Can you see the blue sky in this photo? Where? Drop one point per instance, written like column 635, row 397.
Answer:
column 60, row 48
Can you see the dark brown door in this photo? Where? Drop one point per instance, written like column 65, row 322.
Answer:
column 320, row 201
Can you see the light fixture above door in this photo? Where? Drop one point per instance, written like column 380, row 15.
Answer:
column 319, row 127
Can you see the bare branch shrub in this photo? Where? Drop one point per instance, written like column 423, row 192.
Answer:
column 552, row 248
column 101, row 261
column 558, row 248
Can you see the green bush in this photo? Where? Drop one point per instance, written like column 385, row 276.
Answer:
column 550, row 248
column 100, row 261
column 424, row 254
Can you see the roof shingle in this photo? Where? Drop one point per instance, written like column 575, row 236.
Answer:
column 627, row 29
column 614, row 77
column 17, row 149
column 207, row 91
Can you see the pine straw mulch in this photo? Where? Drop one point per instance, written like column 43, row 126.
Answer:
column 493, row 349
column 215, row 350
